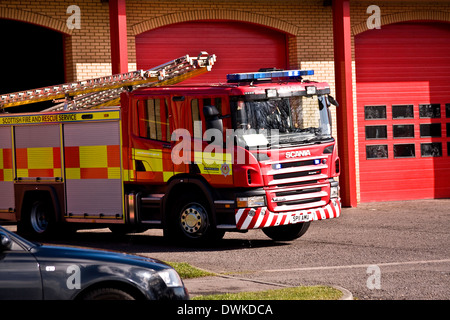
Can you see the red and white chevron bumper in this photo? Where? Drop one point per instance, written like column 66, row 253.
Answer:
column 257, row 218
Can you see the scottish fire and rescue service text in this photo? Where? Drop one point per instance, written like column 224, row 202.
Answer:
column 39, row 119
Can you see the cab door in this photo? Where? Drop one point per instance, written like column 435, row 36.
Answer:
column 152, row 144
column 210, row 159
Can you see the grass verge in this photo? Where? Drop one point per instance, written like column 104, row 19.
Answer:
column 186, row 271
column 294, row 293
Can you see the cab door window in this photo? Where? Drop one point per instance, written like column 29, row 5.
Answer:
column 153, row 118
column 196, row 115
column 198, row 125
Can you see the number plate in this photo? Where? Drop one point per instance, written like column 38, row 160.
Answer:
column 298, row 217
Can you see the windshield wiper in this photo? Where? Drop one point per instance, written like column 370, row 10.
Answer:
column 298, row 139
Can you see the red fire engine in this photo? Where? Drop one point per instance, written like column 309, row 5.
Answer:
column 255, row 152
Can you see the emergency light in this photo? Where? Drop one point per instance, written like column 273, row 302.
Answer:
column 268, row 75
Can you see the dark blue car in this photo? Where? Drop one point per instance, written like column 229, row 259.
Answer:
column 33, row 271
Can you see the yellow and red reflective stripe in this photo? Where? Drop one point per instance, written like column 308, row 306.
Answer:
column 6, row 168
column 92, row 162
column 157, row 168
column 216, row 166
column 38, row 162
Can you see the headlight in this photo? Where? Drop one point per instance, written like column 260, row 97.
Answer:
column 171, row 278
column 334, row 192
column 271, row 93
column 311, row 90
column 257, row 201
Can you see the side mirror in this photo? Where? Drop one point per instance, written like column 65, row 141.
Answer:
column 333, row 101
column 5, row 242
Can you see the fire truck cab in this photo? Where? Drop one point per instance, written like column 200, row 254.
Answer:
column 255, row 152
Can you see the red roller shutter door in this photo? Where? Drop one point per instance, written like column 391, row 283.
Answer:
column 403, row 102
column 240, row 47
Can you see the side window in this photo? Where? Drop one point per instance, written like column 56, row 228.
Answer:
column 154, row 119
column 196, row 118
column 197, row 112
column 217, row 102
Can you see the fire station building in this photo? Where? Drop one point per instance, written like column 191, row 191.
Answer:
column 388, row 63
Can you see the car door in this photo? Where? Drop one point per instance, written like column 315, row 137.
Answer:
column 20, row 278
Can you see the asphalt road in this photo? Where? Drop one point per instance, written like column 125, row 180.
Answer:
column 386, row 251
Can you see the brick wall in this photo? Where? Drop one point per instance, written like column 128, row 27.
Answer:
column 307, row 23
column 88, row 51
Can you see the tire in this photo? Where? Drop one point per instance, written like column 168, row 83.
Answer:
column 288, row 232
column 108, row 294
column 38, row 219
column 191, row 221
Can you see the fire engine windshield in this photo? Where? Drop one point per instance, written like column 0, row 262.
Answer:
column 285, row 121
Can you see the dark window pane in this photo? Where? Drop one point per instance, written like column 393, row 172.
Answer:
column 430, row 110
column 402, row 112
column 218, row 104
column 430, row 130
column 376, row 132
column 431, row 149
column 374, row 112
column 377, row 152
column 153, row 119
column 403, row 131
column 404, row 151
column 447, row 110
column 196, row 118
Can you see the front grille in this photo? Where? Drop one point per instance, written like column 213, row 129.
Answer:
column 296, row 174
column 299, row 197
column 298, row 202
column 296, row 191
column 297, row 171
column 296, row 164
column 296, row 184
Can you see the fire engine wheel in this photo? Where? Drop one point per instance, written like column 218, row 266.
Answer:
column 288, row 232
column 192, row 221
column 37, row 219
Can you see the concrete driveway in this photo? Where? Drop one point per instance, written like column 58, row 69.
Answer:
column 388, row 251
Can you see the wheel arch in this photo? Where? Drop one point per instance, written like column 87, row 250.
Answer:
column 28, row 193
column 181, row 185
column 127, row 287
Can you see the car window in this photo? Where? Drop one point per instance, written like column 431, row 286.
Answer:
column 16, row 247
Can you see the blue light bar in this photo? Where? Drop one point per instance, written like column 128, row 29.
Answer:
column 268, row 75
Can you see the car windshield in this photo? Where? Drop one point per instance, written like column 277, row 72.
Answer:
column 286, row 121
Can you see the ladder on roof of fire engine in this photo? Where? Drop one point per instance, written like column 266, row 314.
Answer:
column 105, row 91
